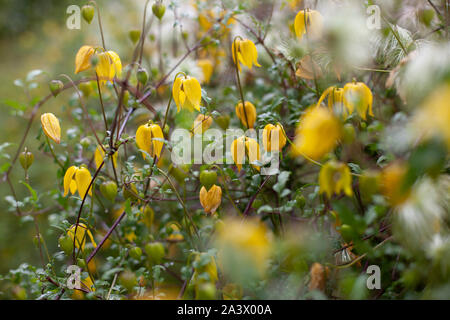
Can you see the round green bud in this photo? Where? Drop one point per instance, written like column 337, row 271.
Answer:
column 26, row 159
column 348, row 133
column 206, row 291
column 142, row 76
column 66, row 244
column 208, row 178
column 55, row 87
column 155, row 252
column 300, row 201
column 88, row 12
column 128, row 280
column 134, row 35
column 158, row 9
column 223, row 121
column 135, row 253
column 109, row 190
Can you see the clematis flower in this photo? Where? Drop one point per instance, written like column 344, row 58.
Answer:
column 335, row 101
column 146, row 139
column 357, row 96
column 318, row 133
column 309, row 22
column 335, row 177
column 211, row 199
column 201, row 123
column 99, row 157
column 245, row 146
column 187, row 93
column 207, row 68
column 246, row 53
column 83, row 58
column 81, row 232
column 393, row 183
column 77, row 178
column 108, row 66
column 247, row 115
column 274, row 137
column 50, row 125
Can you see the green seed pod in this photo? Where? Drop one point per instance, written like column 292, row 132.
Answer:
column 130, row 192
column 55, row 87
column 109, row 190
column 206, row 291
column 208, row 178
column 88, row 11
column 128, row 280
column 347, row 232
column 223, row 121
column 155, row 252
column 158, row 9
column 135, row 253
column 81, row 263
column 85, row 142
column 166, row 129
column 300, row 201
column 142, row 76
column 134, row 35
column 66, row 244
column 349, row 134
column 26, row 159
column 85, row 88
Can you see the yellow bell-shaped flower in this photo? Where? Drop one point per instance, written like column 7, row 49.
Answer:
column 246, row 53
column 318, row 133
column 50, row 125
column 245, row 146
column 357, row 96
column 187, row 93
column 99, row 157
column 335, row 101
column 201, row 124
column 77, row 178
column 274, row 137
column 309, row 22
column 83, row 58
column 81, row 232
column 335, row 177
column 247, row 115
column 211, row 199
column 147, row 139
column 207, row 68
column 108, row 66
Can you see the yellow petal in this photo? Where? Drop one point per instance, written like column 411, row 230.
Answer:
column 267, row 136
column 176, row 88
column 238, row 151
column 207, row 68
column 252, row 148
column 50, row 125
column 157, row 133
column 116, row 63
column 193, row 92
column 68, row 180
column 99, row 155
column 83, row 179
column 82, row 59
column 104, row 69
column 255, row 54
column 144, row 139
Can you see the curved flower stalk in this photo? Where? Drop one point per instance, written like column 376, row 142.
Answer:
column 51, row 127
column 247, row 115
column 147, row 139
column 309, row 22
column 274, row 137
column 187, row 93
column 245, row 146
column 77, row 179
column 246, row 53
column 211, row 199
column 334, row 178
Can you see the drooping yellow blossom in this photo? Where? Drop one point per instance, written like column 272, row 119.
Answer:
column 357, row 96
column 81, row 232
column 335, row 177
column 335, row 101
column 187, row 93
column 247, row 115
column 318, row 133
column 309, row 22
column 50, row 125
column 201, row 124
column 211, row 199
column 246, row 53
column 207, row 68
column 108, row 66
column 83, row 58
column 392, row 183
column 274, row 137
column 149, row 138
column 245, row 146
column 433, row 118
column 77, row 178
column 308, row 69
column 99, row 157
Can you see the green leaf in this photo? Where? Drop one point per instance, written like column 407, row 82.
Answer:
column 32, row 192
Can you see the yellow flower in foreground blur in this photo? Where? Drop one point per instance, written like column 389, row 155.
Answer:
column 149, row 138
column 207, row 68
column 308, row 69
column 309, row 22
column 187, row 93
column 77, row 178
column 335, row 177
column 245, row 146
column 211, row 199
column 274, row 137
column 201, row 123
column 83, row 58
column 50, row 125
column 108, row 66
column 433, row 119
column 392, row 183
column 318, row 133
column 335, row 101
column 357, row 96
column 247, row 115
column 246, row 53
column 99, row 157
column 81, row 234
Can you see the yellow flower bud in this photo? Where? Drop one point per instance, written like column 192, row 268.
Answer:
column 83, row 57
column 81, row 232
column 201, row 124
column 77, row 178
column 318, row 133
column 108, row 66
column 99, row 157
column 357, row 96
column 207, row 68
column 50, row 125
column 147, row 139
column 309, row 22
column 187, row 93
column 274, row 137
column 211, row 199
column 245, row 146
column 247, row 115
column 335, row 177
column 246, row 53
